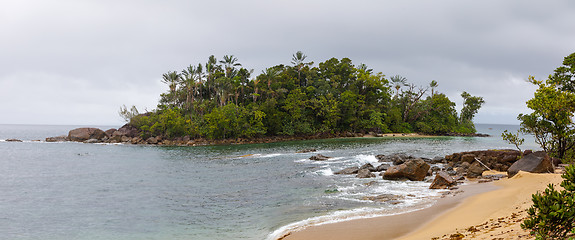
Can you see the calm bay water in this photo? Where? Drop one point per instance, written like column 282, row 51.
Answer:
column 91, row 191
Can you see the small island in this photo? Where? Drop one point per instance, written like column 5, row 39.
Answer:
column 221, row 102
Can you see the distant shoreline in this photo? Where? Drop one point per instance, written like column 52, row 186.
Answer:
column 130, row 135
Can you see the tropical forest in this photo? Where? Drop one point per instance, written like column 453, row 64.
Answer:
column 221, row 99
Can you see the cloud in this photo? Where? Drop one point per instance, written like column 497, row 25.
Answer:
column 106, row 53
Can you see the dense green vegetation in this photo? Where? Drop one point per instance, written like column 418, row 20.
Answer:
column 553, row 105
column 552, row 215
column 222, row 99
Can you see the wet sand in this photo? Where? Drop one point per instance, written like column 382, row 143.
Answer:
column 482, row 211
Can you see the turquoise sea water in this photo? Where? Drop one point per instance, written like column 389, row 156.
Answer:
column 92, row 191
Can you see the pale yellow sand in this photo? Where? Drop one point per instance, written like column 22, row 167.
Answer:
column 494, row 214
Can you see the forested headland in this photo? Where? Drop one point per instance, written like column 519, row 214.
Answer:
column 221, row 99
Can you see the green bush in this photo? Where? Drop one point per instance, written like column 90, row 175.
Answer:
column 552, row 215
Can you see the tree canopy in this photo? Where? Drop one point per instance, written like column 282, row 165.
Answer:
column 222, row 99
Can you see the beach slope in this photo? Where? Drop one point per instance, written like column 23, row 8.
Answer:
column 483, row 211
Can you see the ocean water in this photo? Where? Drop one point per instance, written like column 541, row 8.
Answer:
column 257, row 191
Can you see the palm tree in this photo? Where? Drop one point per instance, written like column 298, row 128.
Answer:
column 364, row 68
column 172, row 78
column 211, row 67
column 297, row 60
column 230, row 63
column 255, row 95
column 433, row 85
column 188, row 80
column 199, row 76
column 270, row 74
column 398, row 82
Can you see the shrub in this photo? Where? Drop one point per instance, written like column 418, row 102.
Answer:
column 552, row 215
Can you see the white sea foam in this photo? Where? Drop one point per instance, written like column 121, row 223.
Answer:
column 270, row 155
column 324, row 172
column 363, row 159
column 338, row 216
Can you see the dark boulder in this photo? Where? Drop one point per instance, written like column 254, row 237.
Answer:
column 110, row 131
column 436, row 160
column 57, row 139
column 468, row 158
column 319, row 157
column 368, row 166
column 365, row 173
column 381, row 158
column 382, row 167
column 414, row 170
column 462, row 169
column 349, row 170
column 442, row 181
column 152, row 140
column 537, row 162
column 83, row 134
column 127, row 130
column 475, row 170
column 307, row 150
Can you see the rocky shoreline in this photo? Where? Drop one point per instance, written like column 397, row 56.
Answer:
column 131, row 135
column 449, row 171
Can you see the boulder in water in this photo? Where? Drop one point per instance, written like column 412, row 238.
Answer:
column 365, row 173
column 414, row 170
column 368, row 166
column 307, row 150
column 57, row 139
column 83, row 134
column 349, row 170
column 319, row 157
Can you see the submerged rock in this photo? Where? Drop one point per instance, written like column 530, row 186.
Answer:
column 365, row 173
column 383, row 198
column 349, row 170
column 307, row 150
column 319, row 157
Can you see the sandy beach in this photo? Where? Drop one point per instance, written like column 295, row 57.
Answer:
column 482, row 211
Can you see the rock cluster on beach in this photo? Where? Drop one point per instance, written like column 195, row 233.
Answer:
column 446, row 172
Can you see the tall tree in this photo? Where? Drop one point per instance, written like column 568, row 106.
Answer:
column 298, row 61
column 230, row 63
column 398, row 82
column 189, row 82
column 471, row 105
column 172, row 78
column 211, row 68
column 270, row 74
column 551, row 121
column 433, row 84
column 564, row 76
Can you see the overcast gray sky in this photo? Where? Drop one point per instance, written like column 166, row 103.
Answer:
column 77, row 62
